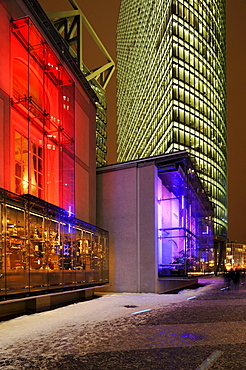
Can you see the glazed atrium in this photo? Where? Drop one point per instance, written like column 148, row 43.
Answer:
column 171, row 88
column 49, row 240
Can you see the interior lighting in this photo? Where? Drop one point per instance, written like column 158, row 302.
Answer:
column 10, row 206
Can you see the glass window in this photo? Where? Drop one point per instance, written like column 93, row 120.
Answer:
column 185, row 233
column 17, row 262
column 21, row 164
column 187, row 55
column 21, row 167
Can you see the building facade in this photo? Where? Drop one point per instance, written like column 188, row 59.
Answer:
column 171, row 88
column 71, row 25
column 235, row 255
column 48, row 161
column 160, row 223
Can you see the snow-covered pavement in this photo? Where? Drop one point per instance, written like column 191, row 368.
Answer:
column 124, row 331
column 62, row 323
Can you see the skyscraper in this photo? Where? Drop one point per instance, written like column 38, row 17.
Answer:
column 171, row 88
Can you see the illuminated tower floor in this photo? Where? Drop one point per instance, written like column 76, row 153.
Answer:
column 171, row 88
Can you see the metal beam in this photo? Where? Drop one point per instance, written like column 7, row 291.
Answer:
column 69, row 25
column 64, row 14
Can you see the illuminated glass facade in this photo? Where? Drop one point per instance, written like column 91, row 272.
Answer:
column 43, row 120
column 185, row 237
column 171, row 88
column 49, row 240
column 43, row 248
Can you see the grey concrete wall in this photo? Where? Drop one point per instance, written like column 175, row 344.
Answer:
column 117, row 213
column 126, row 208
column 147, row 228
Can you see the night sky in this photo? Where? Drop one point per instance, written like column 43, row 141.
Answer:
column 103, row 14
column 236, row 102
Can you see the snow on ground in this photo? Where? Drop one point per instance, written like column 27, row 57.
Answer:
column 86, row 326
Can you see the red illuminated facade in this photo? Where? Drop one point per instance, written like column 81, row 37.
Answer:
column 42, row 126
column 47, row 163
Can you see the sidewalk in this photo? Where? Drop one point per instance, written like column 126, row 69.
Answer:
column 182, row 331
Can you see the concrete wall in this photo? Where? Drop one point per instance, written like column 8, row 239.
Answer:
column 117, row 213
column 126, row 208
column 147, row 178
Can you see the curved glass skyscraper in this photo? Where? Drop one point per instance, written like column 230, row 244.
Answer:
column 171, row 88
